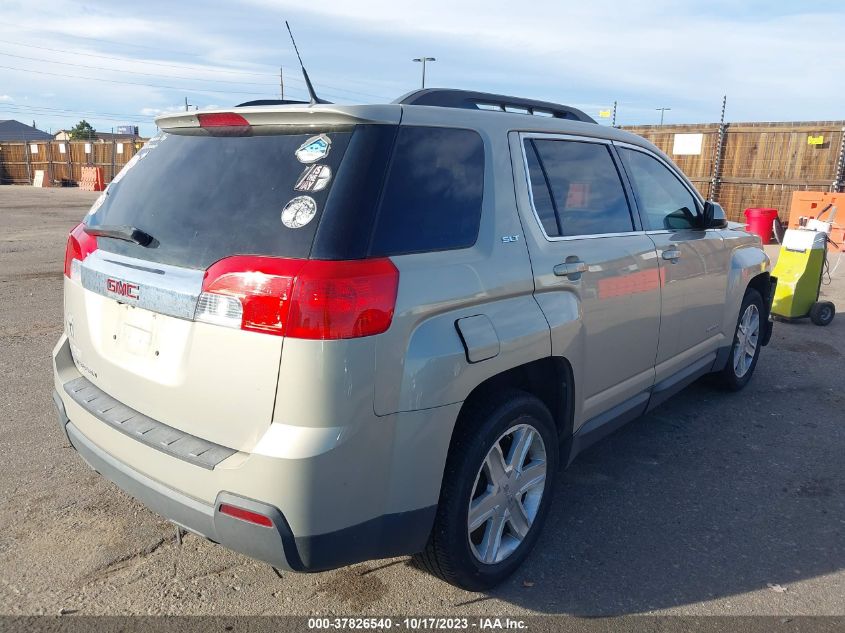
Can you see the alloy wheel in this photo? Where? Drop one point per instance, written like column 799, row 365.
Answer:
column 507, row 493
column 747, row 339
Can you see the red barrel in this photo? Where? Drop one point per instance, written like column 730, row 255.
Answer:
column 759, row 221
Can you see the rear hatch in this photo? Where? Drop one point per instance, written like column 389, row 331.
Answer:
column 176, row 302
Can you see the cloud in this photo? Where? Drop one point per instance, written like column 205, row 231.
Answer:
column 6, row 99
column 645, row 54
column 149, row 111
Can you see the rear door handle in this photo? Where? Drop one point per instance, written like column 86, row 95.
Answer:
column 571, row 269
column 671, row 254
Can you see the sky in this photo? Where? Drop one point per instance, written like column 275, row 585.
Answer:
column 117, row 63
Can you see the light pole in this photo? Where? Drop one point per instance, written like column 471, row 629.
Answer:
column 662, row 110
column 424, row 60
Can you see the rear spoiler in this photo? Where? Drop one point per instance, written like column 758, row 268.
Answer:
column 291, row 114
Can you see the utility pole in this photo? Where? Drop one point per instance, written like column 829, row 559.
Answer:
column 424, row 60
column 613, row 120
column 282, row 82
column 662, row 111
column 189, row 105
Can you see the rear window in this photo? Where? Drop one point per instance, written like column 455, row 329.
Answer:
column 203, row 198
column 432, row 196
column 386, row 190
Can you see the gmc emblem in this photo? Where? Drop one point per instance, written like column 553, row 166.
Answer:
column 122, row 288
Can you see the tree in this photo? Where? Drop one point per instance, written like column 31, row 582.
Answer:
column 82, row 131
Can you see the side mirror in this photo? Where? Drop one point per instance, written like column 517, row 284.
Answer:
column 714, row 216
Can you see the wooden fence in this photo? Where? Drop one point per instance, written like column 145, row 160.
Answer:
column 63, row 160
column 739, row 165
column 760, row 164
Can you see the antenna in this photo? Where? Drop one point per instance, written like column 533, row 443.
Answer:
column 314, row 98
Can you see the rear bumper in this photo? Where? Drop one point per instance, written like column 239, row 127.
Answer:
column 273, row 545
column 340, row 522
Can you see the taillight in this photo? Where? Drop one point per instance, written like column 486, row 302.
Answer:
column 307, row 299
column 222, row 119
column 79, row 246
column 335, row 300
column 252, row 293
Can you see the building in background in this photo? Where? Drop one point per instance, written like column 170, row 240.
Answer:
column 126, row 136
column 11, row 130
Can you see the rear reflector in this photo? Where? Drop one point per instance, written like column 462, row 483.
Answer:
column 306, row 299
column 79, row 246
column 222, row 119
column 245, row 515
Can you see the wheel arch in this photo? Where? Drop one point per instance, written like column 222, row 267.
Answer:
column 763, row 283
column 749, row 267
column 550, row 379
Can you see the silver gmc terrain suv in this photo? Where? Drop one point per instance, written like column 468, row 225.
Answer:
column 320, row 334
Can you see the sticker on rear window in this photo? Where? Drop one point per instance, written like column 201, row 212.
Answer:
column 314, row 178
column 314, row 149
column 299, row 212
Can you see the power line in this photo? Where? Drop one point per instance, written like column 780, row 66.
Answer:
column 180, row 67
column 133, row 72
column 60, row 111
column 177, row 88
column 96, row 39
column 138, row 61
column 130, row 83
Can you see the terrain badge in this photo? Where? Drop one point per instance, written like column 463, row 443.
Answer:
column 314, row 178
column 314, row 149
column 299, row 212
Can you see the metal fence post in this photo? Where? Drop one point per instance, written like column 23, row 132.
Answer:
column 113, row 151
column 50, row 169
column 28, row 162
column 839, row 176
column 69, row 161
column 716, row 178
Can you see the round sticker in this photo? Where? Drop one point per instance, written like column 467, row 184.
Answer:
column 299, row 212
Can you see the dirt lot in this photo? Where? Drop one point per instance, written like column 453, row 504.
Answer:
column 714, row 504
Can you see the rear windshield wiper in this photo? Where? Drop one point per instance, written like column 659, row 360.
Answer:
column 125, row 233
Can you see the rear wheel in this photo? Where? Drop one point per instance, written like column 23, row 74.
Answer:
column 822, row 312
column 746, row 344
column 496, row 492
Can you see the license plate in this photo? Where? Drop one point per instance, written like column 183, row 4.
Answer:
column 137, row 332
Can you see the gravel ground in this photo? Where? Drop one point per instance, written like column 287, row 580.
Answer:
column 714, row 504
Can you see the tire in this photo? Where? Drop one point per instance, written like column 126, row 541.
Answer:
column 740, row 367
column 822, row 312
column 454, row 553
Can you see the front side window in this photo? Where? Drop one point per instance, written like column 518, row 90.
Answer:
column 576, row 188
column 664, row 202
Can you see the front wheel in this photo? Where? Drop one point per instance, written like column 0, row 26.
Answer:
column 746, row 344
column 496, row 492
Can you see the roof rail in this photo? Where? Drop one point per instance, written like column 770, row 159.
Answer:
column 471, row 100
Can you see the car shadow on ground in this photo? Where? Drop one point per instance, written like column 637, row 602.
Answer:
column 710, row 495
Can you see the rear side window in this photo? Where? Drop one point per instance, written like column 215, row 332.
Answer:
column 540, row 193
column 432, row 195
column 576, row 188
